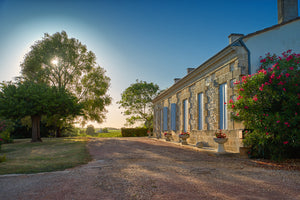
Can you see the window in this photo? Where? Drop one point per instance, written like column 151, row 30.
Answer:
column 165, row 125
column 200, row 111
column 185, row 115
column 223, row 106
column 173, row 116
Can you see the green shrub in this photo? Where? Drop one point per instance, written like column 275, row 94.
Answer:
column 90, row 130
column 269, row 105
column 2, row 158
column 5, row 129
column 134, row 132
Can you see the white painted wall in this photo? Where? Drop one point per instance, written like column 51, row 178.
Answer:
column 276, row 41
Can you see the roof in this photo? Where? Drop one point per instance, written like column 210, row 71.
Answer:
column 184, row 79
column 270, row 28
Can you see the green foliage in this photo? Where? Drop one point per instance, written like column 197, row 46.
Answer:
column 137, row 102
column 74, row 70
column 103, row 130
column 90, row 130
column 18, row 100
column 269, row 105
column 5, row 129
column 134, row 132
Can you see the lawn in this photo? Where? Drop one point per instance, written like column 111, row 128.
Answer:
column 52, row 154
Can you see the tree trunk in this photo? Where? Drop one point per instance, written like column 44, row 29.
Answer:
column 36, row 132
column 58, row 132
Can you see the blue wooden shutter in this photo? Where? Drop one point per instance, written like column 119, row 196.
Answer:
column 165, row 118
column 173, row 116
column 223, row 106
column 200, row 111
column 185, row 115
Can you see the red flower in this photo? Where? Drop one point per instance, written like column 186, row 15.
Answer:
column 242, row 89
column 285, row 142
column 246, row 107
column 291, row 68
column 230, row 101
column 239, row 97
column 287, row 75
column 255, row 98
column 289, row 58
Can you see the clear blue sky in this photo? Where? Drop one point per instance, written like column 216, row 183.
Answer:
column 150, row 40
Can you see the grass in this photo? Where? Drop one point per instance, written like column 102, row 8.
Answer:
column 111, row 133
column 53, row 154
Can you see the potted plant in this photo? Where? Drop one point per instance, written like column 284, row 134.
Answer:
column 168, row 136
column 183, row 136
column 149, row 133
column 220, row 139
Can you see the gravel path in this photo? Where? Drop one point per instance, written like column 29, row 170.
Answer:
column 143, row 168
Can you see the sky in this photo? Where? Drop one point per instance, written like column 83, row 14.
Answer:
column 150, row 40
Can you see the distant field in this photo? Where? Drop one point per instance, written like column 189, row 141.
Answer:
column 111, row 133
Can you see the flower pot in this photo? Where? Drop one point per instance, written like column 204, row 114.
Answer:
column 183, row 138
column 168, row 136
column 221, row 142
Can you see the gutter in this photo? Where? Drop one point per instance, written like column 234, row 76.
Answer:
column 248, row 52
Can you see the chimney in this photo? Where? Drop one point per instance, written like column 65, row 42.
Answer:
column 189, row 70
column 287, row 10
column 234, row 36
column 176, row 80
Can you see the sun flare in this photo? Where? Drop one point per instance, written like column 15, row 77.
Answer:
column 54, row 61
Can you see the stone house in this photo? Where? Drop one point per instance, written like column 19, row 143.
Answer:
column 196, row 103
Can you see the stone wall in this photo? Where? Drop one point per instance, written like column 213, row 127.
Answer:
column 227, row 69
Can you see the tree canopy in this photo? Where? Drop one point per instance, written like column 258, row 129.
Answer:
column 18, row 100
column 67, row 64
column 137, row 102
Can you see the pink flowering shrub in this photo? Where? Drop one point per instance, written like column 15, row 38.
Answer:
column 269, row 104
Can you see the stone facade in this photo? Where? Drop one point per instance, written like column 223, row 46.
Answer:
column 226, row 67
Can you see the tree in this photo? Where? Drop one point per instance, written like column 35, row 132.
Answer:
column 137, row 102
column 18, row 100
column 269, row 105
column 67, row 64
column 90, row 130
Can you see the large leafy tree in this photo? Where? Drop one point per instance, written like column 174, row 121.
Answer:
column 67, row 64
column 137, row 102
column 18, row 100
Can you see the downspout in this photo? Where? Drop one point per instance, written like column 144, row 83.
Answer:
column 248, row 52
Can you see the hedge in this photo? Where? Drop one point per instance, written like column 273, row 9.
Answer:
column 134, row 132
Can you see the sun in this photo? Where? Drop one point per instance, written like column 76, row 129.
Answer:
column 54, row 61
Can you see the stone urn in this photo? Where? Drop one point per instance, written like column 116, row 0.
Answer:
column 221, row 142
column 168, row 136
column 149, row 134
column 183, row 138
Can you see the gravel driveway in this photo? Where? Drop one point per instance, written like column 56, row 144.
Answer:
column 143, row 168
